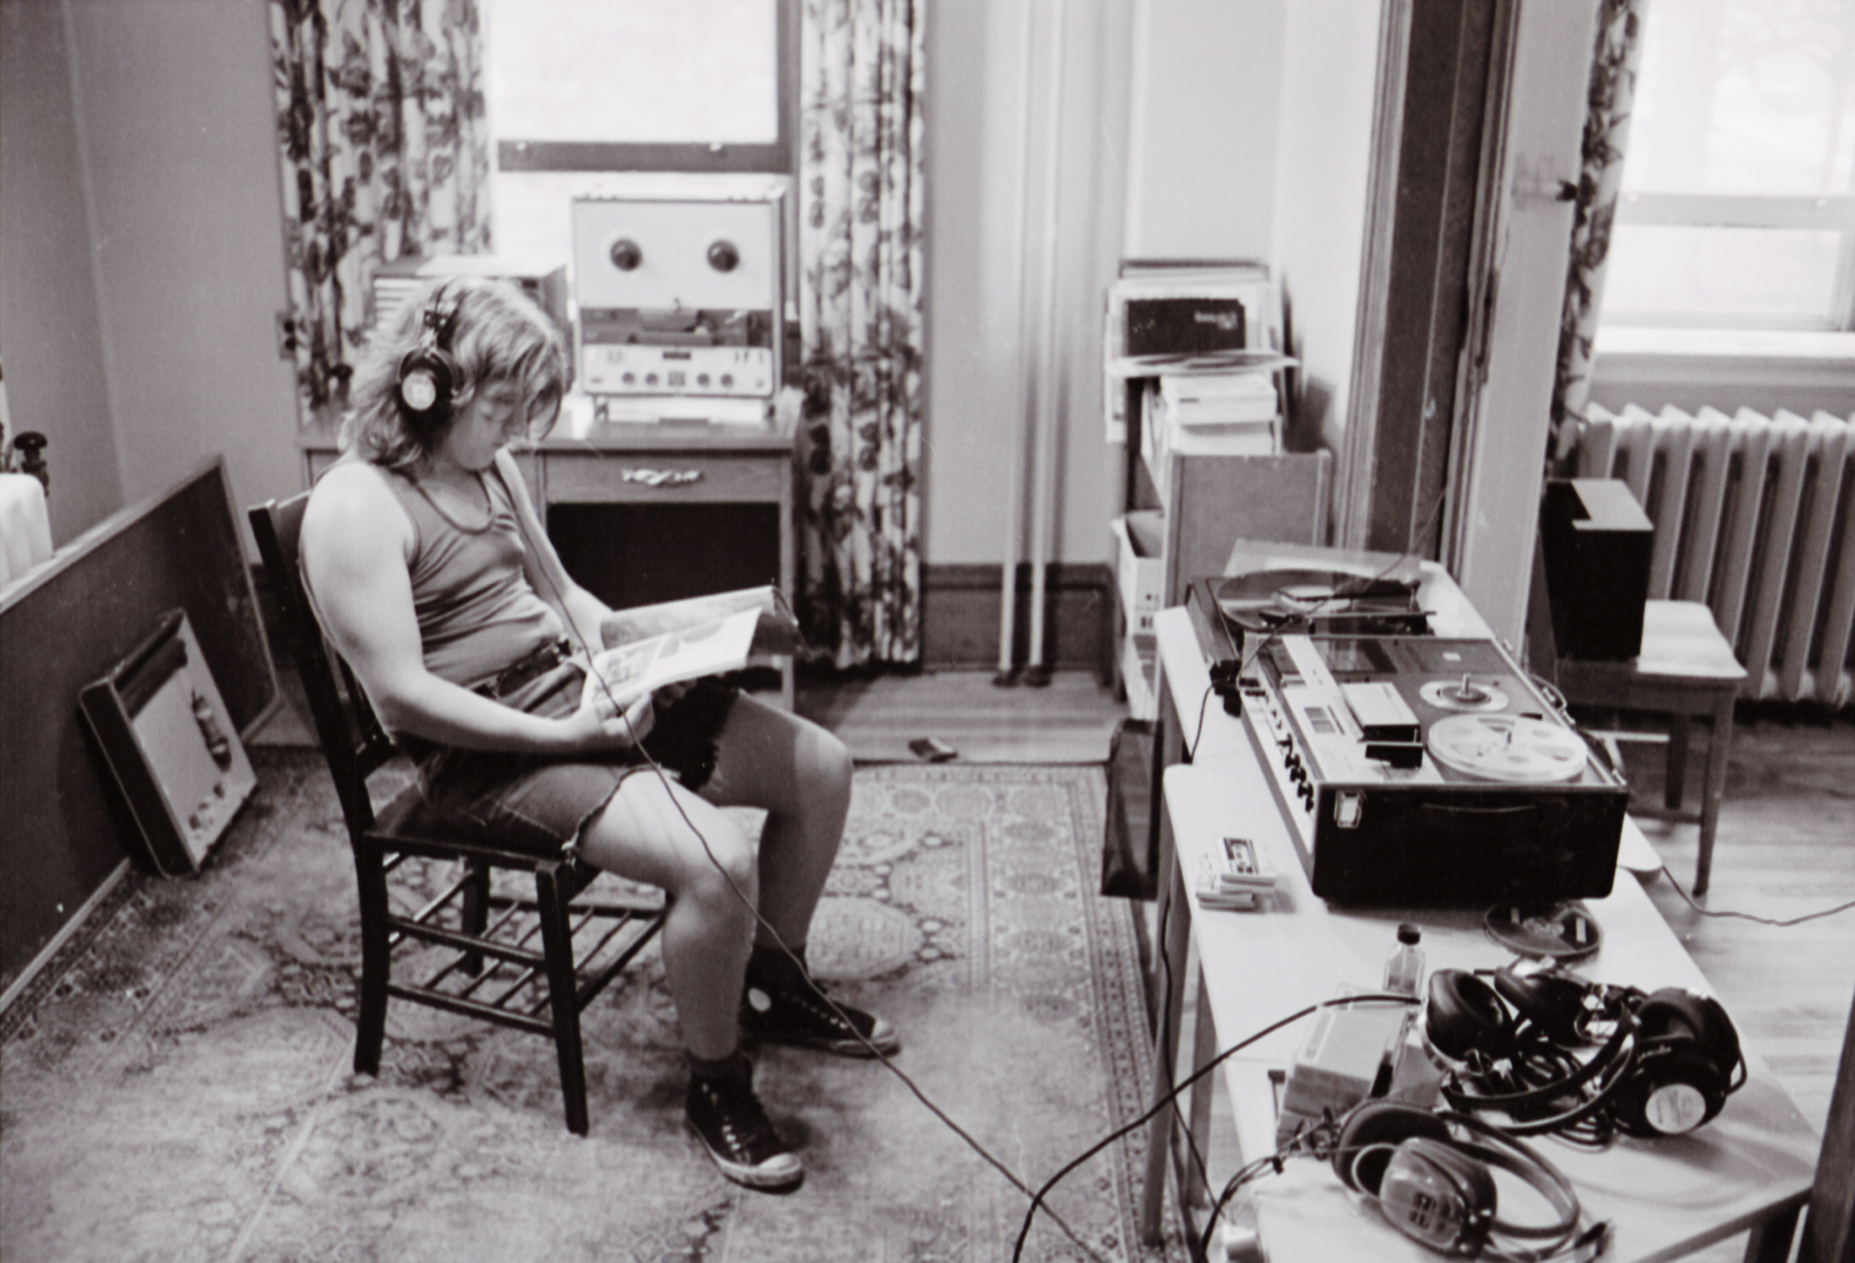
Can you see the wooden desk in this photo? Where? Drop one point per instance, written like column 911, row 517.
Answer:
column 639, row 465
column 1686, row 670
column 1748, row 1171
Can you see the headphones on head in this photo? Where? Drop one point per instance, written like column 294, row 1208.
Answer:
column 1432, row 1176
column 1512, row 1044
column 428, row 375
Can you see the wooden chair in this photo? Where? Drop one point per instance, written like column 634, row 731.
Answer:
column 490, row 967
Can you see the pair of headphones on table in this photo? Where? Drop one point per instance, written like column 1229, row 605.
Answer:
column 1521, row 1045
column 429, row 376
column 1431, row 1174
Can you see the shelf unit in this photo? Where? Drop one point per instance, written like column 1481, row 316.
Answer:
column 1179, row 523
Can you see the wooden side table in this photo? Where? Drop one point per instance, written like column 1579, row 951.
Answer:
column 1686, row 670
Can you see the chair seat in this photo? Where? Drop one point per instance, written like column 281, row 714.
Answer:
column 1680, row 642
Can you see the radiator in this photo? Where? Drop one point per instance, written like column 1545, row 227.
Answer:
column 1755, row 516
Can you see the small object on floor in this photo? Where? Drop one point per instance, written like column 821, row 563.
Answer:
column 933, row 749
column 1562, row 932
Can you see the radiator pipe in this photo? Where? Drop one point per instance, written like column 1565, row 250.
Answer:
column 1044, row 418
column 1021, row 386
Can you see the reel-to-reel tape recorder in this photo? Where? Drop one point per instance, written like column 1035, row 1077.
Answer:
column 1412, row 768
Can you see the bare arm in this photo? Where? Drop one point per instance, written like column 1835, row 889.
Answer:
column 356, row 543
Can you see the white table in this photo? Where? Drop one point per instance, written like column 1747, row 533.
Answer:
column 1750, row 1169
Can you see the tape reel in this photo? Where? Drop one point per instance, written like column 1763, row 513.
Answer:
column 1507, row 748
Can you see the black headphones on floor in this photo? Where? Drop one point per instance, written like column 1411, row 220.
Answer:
column 1431, row 1174
column 428, row 375
column 1519, row 1045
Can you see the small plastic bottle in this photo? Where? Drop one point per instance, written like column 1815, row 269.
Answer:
column 1404, row 967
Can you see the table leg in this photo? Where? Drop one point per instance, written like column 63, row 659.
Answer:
column 1675, row 770
column 1713, row 788
column 1194, row 1192
column 1770, row 1242
column 1174, row 947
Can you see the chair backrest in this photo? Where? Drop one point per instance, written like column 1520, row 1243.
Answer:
column 351, row 737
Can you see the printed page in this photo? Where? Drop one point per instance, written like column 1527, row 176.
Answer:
column 642, row 666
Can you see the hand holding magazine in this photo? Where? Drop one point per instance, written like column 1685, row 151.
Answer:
column 654, row 645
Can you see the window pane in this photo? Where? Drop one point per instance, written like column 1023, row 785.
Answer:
column 1772, row 275
column 633, row 71
column 1745, row 96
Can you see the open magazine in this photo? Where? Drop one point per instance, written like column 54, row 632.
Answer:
column 674, row 641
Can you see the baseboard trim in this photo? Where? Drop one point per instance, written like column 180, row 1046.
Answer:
column 960, row 615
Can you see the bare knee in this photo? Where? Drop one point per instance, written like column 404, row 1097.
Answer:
column 721, row 869
column 824, row 767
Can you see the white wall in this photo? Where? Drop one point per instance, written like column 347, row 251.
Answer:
column 181, row 171
column 1329, row 57
column 980, row 265
column 1202, row 135
column 142, row 248
column 50, row 339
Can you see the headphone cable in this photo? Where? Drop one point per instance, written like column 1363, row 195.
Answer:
column 664, row 777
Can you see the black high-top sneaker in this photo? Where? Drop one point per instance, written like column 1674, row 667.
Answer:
column 783, row 1004
column 728, row 1119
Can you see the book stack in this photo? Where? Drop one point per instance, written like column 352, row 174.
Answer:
column 1221, row 413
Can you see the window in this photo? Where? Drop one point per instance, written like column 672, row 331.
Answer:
column 579, row 88
column 1738, row 206
column 617, row 85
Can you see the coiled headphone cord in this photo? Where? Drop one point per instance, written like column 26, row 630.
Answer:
column 670, row 788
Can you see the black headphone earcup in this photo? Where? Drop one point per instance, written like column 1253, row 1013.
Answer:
column 1687, row 1053
column 1368, row 1135
column 1672, row 1011
column 1462, row 1014
column 1553, row 1003
column 427, row 384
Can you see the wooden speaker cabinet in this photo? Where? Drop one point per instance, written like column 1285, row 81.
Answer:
column 171, row 749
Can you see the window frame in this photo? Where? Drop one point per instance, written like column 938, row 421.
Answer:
column 1797, row 212
column 775, row 158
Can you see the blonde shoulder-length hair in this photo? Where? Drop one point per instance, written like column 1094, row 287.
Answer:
column 492, row 332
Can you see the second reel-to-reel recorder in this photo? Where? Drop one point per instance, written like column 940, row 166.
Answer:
column 1412, row 768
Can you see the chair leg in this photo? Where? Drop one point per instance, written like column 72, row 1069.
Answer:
column 1713, row 789
column 557, row 943
column 476, row 912
column 376, row 958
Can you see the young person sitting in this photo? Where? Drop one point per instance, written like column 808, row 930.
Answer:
column 433, row 577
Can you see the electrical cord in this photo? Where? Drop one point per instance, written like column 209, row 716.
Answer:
column 760, row 920
column 1169, row 1101
column 1781, row 923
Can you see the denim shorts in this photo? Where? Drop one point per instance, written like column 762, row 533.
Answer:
column 539, row 803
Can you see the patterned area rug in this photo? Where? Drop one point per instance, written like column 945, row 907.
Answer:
column 178, row 1084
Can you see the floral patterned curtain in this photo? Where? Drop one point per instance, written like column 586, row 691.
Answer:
column 860, row 205
column 1607, row 122
column 385, row 153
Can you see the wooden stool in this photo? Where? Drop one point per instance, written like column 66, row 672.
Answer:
column 1686, row 670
